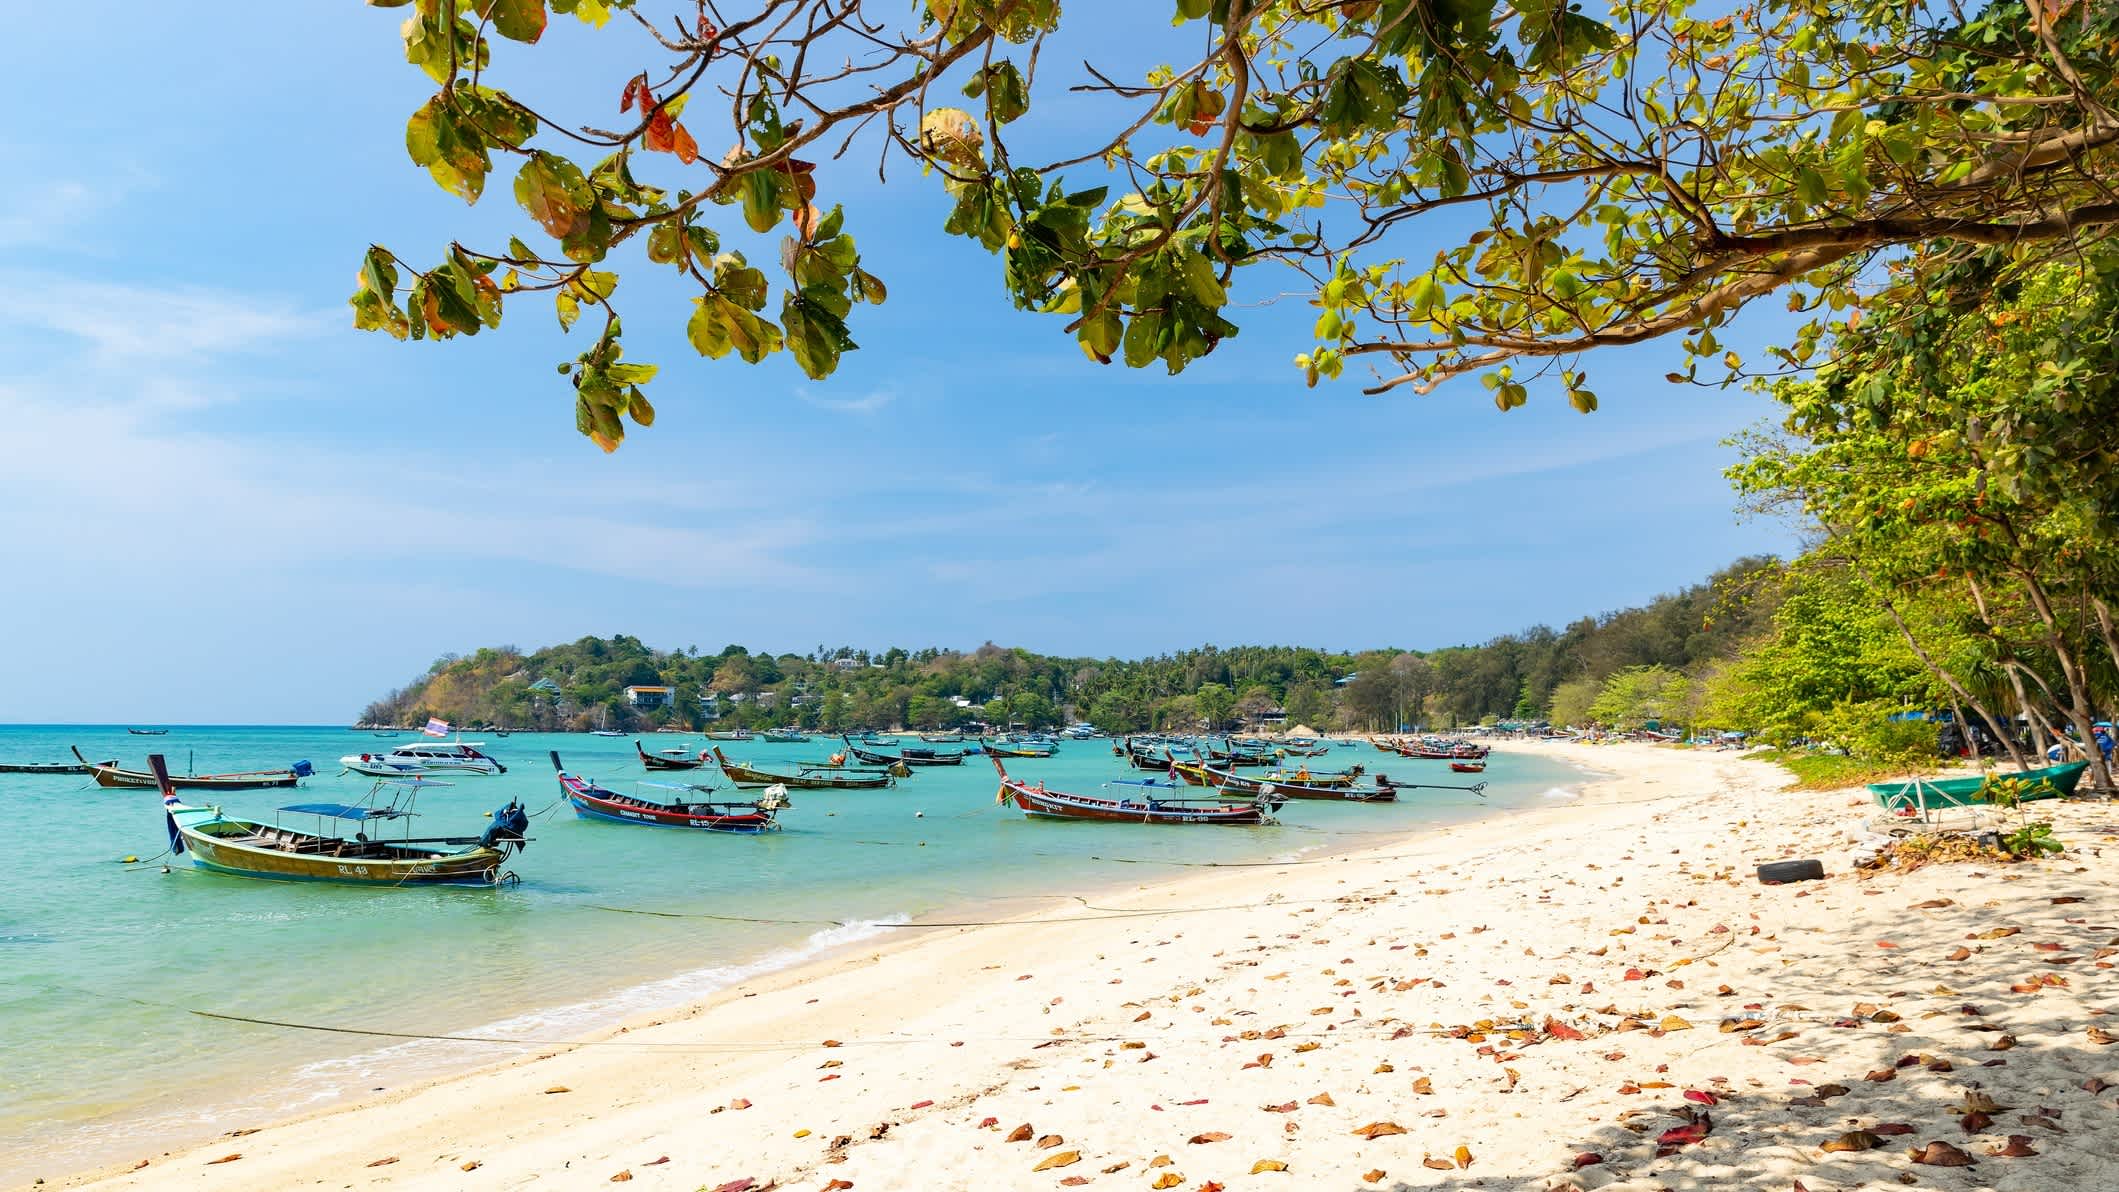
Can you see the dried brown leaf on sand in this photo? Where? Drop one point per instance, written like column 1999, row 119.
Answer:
column 1380, row 1129
column 1062, row 1159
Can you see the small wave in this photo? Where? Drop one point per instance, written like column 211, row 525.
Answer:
column 1560, row 792
column 426, row 1057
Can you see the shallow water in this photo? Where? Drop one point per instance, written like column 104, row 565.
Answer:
column 103, row 964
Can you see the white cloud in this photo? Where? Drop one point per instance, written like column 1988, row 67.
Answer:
column 867, row 403
column 120, row 324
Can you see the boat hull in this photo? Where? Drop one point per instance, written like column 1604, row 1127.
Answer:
column 42, row 768
column 647, row 815
column 114, row 777
column 1043, row 804
column 745, row 776
column 1964, row 792
column 210, row 849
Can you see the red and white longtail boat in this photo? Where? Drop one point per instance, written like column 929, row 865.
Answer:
column 594, row 802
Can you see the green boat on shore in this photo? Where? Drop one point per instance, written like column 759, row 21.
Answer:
column 1914, row 793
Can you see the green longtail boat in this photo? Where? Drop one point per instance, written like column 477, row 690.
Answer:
column 2052, row 782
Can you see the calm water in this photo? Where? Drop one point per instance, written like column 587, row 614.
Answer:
column 101, row 962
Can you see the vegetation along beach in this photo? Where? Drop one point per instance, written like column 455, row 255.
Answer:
column 1204, row 596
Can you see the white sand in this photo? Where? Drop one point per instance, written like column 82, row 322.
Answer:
column 1329, row 998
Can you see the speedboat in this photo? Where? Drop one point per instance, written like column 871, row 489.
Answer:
column 410, row 761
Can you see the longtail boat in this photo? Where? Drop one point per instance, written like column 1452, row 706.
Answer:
column 1468, row 767
column 1908, row 796
column 907, row 757
column 810, row 778
column 110, row 774
column 594, row 802
column 250, row 848
column 786, row 736
column 148, row 732
column 1039, row 803
column 1382, row 792
column 1007, row 749
column 668, row 759
column 48, row 767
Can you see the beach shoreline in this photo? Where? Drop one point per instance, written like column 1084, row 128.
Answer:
column 888, row 1057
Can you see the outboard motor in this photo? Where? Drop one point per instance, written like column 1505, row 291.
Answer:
column 509, row 824
column 303, row 769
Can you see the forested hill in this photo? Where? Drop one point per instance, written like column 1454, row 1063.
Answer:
column 583, row 683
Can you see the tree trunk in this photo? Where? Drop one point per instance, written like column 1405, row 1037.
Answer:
column 2077, row 682
column 1937, row 670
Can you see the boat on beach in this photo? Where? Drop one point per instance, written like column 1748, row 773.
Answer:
column 252, row 848
column 1038, row 802
column 814, row 778
column 413, row 761
column 667, row 759
column 591, row 801
column 1910, row 795
column 113, row 776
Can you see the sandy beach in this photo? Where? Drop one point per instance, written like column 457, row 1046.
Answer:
column 1598, row 995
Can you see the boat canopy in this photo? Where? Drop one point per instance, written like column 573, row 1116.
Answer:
column 346, row 811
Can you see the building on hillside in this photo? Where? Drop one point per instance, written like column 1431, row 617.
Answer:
column 709, row 705
column 1268, row 718
column 845, row 664
column 1346, row 678
column 650, row 697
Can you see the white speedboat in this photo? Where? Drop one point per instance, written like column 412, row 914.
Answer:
column 411, row 761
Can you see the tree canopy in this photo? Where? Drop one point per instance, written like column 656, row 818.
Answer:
column 1460, row 186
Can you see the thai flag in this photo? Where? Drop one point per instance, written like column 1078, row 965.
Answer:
column 436, row 728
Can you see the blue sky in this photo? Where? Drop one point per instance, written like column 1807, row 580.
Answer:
column 226, row 505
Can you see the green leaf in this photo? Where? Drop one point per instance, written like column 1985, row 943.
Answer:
column 815, row 335
column 639, row 410
column 553, row 191
column 630, row 374
column 516, row 20
column 761, row 200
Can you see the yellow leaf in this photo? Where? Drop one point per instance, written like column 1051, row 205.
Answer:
column 1672, row 1022
column 1464, row 1156
column 1168, row 1179
column 1063, row 1159
column 1380, row 1129
column 1268, row 1165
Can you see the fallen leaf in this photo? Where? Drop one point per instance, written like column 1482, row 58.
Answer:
column 1940, row 1154
column 741, row 1103
column 1429, row 1161
column 1264, row 1165
column 1376, row 1130
column 1890, row 1129
column 1975, row 1122
column 1424, row 1086
column 1168, row 1179
column 1049, row 1141
column 1854, row 1140
column 1701, row 1097
column 1324, row 1099
column 1587, row 1159
column 234, row 1157
column 2017, row 1147
column 558, row 1088
column 622, row 1177
column 384, row 1162
column 2102, row 1037
column 1556, row 1029
column 1464, row 1157
column 743, row 1185
column 1692, row 1131
column 1209, row 1136
column 838, row 1185
column 1021, row 1133
column 1672, row 1022
column 1373, row 1176
column 1074, row 1181
column 469, row 1164
column 1062, row 1159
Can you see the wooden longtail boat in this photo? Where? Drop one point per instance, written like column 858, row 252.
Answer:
column 808, row 778
column 908, row 757
column 1040, row 803
column 110, row 774
column 594, row 802
column 664, row 761
column 148, row 732
column 1382, row 792
column 1004, row 749
column 48, row 767
column 1468, row 767
column 786, row 736
column 2051, row 782
column 249, row 848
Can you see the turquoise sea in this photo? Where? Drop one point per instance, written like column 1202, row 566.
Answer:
column 103, row 963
